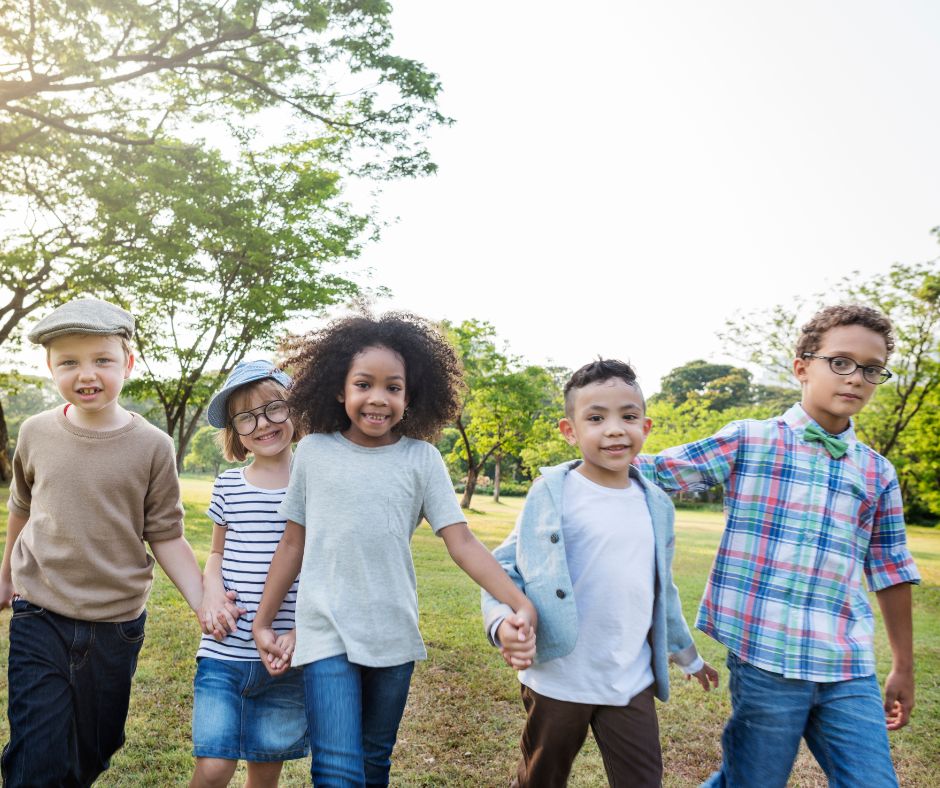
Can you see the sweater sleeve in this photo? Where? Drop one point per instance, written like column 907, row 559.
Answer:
column 163, row 507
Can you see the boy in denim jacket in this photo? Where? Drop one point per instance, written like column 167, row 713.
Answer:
column 809, row 510
column 593, row 550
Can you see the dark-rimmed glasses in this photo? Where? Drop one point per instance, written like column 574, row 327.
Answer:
column 842, row 365
column 275, row 412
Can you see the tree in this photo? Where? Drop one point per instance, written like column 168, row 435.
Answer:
column 24, row 395
column 545, row 446
column 720, row 385
column 206, row 454
column 104, row 72
column 84, row 86
column 216, row 259
column 84, row 83
column 503, row 400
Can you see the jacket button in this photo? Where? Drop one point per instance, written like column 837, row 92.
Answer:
column 554, row 538
column 560, row 594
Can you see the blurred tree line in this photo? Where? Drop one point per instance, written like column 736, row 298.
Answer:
column 508, row 428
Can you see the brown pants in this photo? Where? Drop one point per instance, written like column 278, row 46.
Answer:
column 627, row 736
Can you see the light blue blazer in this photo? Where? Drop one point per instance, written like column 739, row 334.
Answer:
column 533, row 555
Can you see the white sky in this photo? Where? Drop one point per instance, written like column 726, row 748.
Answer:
column 624, row 176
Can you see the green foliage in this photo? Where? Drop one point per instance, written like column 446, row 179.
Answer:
column 504, row 399
column 545, row 446
column 87, row 86
column 693, row 420
column 217, row 257
column 718, row 386
column 205, row 453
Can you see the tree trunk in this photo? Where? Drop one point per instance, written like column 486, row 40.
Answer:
column 6, row 469
column 497, row 477
column 472, row 474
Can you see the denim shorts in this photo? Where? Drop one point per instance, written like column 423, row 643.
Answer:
column 241, row 712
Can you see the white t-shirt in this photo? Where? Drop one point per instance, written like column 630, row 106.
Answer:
column 358, row 594
column 610, row 550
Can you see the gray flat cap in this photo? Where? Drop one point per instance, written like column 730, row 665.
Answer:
column 83, row 316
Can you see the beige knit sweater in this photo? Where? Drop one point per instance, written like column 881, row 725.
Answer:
column 92, row 499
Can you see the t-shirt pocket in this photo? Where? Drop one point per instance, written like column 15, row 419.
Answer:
column 401, row 516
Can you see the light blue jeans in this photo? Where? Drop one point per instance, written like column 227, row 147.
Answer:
column 353, row 713
column 842, row 721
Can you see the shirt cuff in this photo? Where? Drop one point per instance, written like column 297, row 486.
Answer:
column 494, row 629
column 694, row 667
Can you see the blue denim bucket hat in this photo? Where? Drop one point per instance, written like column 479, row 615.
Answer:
column 244, row 372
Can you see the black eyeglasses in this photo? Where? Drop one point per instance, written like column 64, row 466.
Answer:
column 275, row 412
column 842, row 365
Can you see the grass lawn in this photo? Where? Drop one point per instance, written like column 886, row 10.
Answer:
column 464, row 715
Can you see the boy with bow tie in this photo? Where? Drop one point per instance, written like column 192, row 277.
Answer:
column 809, row 509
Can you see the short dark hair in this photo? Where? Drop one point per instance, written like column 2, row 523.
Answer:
column 320, row 361
column 597, row 372
column 830, row 317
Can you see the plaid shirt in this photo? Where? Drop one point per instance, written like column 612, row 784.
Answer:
column 785, row 591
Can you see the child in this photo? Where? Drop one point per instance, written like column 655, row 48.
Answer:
column 239, row 711
column 809, row 508
column 371, row 392
column 92, row 482
column 593, row 549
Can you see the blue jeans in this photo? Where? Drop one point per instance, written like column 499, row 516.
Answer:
column 843, row 723
column 353, row 713
column 70, row 686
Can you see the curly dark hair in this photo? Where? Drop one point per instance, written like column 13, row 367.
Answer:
column 830, row 317
column 597, row 372
column 320, row 360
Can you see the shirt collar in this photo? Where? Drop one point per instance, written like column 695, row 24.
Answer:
column 798, row 420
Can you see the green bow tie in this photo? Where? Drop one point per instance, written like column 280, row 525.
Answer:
column 834, row 446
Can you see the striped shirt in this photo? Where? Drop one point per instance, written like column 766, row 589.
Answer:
column 785, row 592
column 253, row 529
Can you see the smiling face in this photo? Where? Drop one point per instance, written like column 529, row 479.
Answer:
column 608, row 423
column 831, row 399
column 268, row 439
column 374, row 396
column 89, row 371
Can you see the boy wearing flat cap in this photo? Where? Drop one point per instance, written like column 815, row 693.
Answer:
column 92, row 483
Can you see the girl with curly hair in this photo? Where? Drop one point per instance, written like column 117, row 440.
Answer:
column 369, row 393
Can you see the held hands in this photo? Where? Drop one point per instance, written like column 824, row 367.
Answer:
column 218, row 612
column 707, row 677
column 516, row 635
column 899, row 699
column 276, row 650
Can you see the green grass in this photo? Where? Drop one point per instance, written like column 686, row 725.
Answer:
column 464, row 714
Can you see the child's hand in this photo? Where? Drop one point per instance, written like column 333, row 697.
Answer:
column 517, row 641
column 899, row 699
column 285, row 643
column 707, row 677
column 7, row 592
column 217, row 613
column 267, row 642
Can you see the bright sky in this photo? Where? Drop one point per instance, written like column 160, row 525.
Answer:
column 624, row 176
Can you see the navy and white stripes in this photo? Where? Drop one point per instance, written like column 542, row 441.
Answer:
column 253, row 530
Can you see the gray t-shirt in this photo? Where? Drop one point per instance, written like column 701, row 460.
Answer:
column 360, row 506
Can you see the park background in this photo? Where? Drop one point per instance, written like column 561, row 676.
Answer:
column 678, row 185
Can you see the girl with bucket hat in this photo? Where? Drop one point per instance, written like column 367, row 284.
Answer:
column 240, row 712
